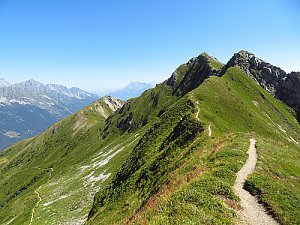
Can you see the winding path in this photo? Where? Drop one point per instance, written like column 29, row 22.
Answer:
column 197, row 117
column 38, row 195
column 209, row 130
column 251, row 213
column 197, row 114
column 33, row 210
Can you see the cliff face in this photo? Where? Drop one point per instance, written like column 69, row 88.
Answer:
column 275, row 80
column 197, row 70
column 289, row 92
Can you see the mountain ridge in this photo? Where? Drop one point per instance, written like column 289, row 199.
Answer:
column 137, row 171
column 167, row 157
column 276, row 81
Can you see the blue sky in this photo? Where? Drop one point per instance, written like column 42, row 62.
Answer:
column 98, row 45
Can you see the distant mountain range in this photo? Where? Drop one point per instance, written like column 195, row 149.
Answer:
column 29, row 107
column 132, row 90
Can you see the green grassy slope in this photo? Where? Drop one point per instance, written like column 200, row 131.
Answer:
column 147, row 109
column 191, row 181
column 66, row 165
column 276, row 181
column 153, row 162
column 252, row 109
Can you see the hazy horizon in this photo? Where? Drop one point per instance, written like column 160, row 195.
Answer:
column 97, row 92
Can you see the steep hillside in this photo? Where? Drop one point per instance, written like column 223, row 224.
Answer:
column 178, row 174
column 169, row 156
column 54, row 176
column 28, row 108
column 275, row 80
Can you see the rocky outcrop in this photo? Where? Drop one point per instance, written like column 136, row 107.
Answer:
column 113, row 103
column 198, row 70
column 276, row 81
column 289, row 91
column 179, row 73
column 267, row 75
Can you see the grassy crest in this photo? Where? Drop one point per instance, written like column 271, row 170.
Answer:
column 153, row 161
column 158, row 152
column 198, row 188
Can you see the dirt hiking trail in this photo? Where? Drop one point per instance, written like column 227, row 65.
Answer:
column 251, row 213
column 38, row 194
column 209, row 130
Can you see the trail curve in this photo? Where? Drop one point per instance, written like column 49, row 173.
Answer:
column 251, row 213
column 38, row 194
column 33, row 210
column 197, row 117
column 209, row 130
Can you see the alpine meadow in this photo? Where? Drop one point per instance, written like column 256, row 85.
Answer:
column 171, row 156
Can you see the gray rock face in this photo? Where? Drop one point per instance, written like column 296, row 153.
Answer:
column 289, row 91
column 198, row 70
column 285, row 87
column 172, row 80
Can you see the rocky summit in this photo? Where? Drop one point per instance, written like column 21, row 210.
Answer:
column 191, row 150
column 275, row 80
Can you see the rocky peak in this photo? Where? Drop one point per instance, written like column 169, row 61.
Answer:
column 289, row 91
column 276, row 81
column 30, row 82
column 198, row 69
column 249, row 62
column 267, row 75
column 176, row 76
column 113, row 103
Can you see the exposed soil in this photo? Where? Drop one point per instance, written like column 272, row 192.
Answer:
column 252, row 212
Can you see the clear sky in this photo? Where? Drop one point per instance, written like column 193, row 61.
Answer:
column 97, row 44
